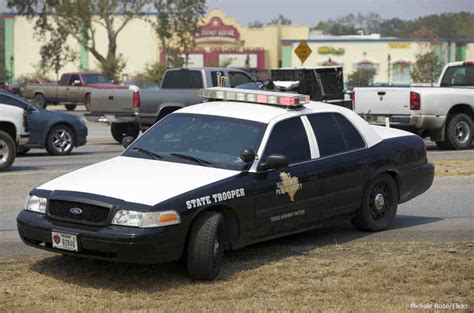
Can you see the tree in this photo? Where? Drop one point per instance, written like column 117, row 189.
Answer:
column 4, row 74
column 152, row 75
column 176, row 24
column 361, row 77
column 280, row 20
column 427, row 65
column 57, row 21
column 256, row 24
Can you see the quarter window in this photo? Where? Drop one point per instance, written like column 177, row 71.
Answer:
column 289, row 137
column 335, row 134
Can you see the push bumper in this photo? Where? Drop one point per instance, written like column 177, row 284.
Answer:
column 416, row 181
column 112, row 243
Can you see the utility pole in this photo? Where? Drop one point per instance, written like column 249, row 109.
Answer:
column 389, row 68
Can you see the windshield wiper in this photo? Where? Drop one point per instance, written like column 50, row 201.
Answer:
column 148, row 152
column 192, row 158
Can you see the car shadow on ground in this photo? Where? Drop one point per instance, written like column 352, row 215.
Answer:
column 159, row 277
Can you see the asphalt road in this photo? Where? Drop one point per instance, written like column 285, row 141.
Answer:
column 444, row 213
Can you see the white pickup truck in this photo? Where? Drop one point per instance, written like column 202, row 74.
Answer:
column 12, row 133
column 444, row 112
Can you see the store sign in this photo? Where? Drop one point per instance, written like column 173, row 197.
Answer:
column 399, row 45
column 216, row 31
column 249, row 60
column 331, row 50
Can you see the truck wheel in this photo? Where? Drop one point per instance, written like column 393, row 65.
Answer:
column 70, row 107
column 121, row 130
column 458, row 132
column 206, row 246
column 7, row 151
column 60, row 140
column 40, row 100
column 379, row 205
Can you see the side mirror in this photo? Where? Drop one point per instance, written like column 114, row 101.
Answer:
column 247, row 155
column 127, row 141
column 274, row 161
column 76, row 83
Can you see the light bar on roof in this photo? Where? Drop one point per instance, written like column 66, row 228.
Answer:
column 255, row 96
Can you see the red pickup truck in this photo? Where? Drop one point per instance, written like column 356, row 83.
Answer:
column 72, row 89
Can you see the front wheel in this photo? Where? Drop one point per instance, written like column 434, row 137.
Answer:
column 60, row 140
column 121, row 130
column 206, row 246
column 379, row 205
column 7, row 151
column 40, row 100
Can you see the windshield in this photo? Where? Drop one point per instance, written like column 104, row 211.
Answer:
column 203, row 140
column 95, row 79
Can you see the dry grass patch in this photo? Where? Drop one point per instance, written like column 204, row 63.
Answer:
column 454, row 168
column 274, row 276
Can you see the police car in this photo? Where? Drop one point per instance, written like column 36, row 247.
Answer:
column 244, row 167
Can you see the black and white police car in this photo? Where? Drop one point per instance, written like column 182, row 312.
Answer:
column 224, row 174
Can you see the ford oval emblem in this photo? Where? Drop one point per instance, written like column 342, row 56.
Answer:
column 75, row 211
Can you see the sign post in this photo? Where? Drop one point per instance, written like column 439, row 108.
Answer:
column 303, row 51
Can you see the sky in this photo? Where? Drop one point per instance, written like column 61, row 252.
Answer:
column 310, row 12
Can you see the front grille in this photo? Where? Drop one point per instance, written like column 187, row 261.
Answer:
column 91, row 214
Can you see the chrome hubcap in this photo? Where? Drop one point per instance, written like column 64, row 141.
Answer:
column 62, row 140
column 379, row 201
column 216, row 247
column 4, row 151
column 463, row 132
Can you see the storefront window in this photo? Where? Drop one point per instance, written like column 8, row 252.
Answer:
column 401, row 72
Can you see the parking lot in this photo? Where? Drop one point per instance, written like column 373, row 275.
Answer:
column 432, row 241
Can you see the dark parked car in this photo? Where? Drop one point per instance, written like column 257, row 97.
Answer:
column 57, row 132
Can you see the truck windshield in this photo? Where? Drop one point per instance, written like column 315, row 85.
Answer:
column 199, row 139
column 182, row 79
column 95, row 79
column 458, row 76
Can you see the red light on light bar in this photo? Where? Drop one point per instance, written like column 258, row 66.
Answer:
column 262, row 98
column 288, row 101
column 469, row 63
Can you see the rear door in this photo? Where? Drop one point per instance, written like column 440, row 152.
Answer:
column 343, row 163
column 382, row 101
column 286, row 199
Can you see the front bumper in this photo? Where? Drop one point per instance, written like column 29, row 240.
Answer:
column 111, row 243
column 81, row 136
column 23, row 138
column 415, row 181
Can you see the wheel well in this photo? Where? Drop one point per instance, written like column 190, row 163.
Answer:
column 396, row 179
column 231, row 225
column 461, row 108
column 9, row 128
column 165, row 111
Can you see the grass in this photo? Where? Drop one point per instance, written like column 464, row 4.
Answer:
column 454, row 168
column 285, row 274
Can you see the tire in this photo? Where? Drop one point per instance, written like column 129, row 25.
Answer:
column 205, row 249
column 121, row 130
column 40, row 100
column 22, row 150
column 379, row 205
column 61, row 140
column 70, row 107
column 459, row 130
column 7, row 151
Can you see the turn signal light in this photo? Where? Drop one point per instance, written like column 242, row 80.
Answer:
column 415, row 101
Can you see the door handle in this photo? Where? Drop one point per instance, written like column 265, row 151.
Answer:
column 381, row 93
column 111, row 97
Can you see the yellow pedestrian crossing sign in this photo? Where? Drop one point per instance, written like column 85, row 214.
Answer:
column 303, row 51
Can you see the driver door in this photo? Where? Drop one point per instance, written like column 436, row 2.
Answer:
column 288, row 198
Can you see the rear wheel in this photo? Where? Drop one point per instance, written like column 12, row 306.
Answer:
column 7, row 151
column 379, row 205
column 60, row 140
column 459, row 130
column 121, row 130
column 206, row 246
column 70, row 107
column 40, row 100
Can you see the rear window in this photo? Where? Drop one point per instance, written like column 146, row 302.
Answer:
column 458, row 76
column 183, row 79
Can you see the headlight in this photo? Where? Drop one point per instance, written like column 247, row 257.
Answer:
column 36, row 204
column 146, row 219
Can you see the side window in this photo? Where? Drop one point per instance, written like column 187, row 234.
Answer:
column 238, row 78
column 73, row 78
column 328, row 134
column 289, row 137
column 455, row 76
column 4, row 99
column 335, row 134
column 64, row 80
column 352, row 137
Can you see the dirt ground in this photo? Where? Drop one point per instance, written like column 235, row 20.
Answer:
column 454, row 168
column 285, row 274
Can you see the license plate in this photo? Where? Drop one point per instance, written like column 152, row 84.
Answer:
column 64, row 241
